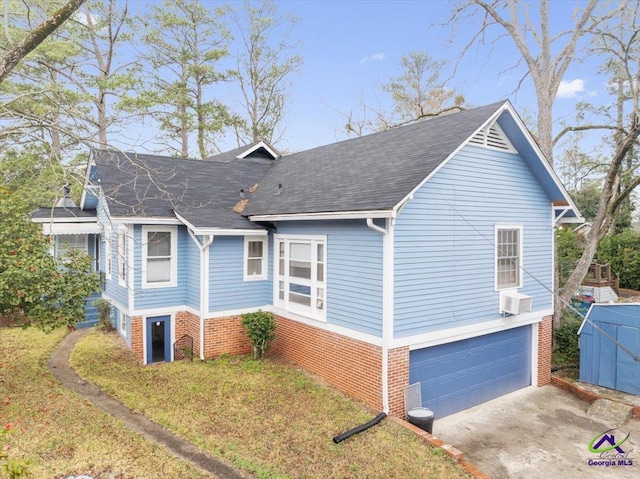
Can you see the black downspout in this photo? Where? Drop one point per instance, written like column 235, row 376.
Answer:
column 362, row 427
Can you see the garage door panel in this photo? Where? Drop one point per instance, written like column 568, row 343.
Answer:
column 466, row 373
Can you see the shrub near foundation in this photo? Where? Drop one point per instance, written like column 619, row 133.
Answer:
column 260, row 327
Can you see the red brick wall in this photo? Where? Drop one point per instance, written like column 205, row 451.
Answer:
column 225, row 336
column 545, row 331
column 398, row 379
column 188, row 323
column 136, row 337
column 351, row 366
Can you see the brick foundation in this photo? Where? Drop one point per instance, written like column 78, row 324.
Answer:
column 349, row 365
column 545, row 332
column 189, row 324
column 136, row 338
column 398, row 379
column 225, row 336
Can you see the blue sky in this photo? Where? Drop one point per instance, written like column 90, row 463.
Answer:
column 351, row 47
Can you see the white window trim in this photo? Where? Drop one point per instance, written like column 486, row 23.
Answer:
column 520, row 229
column 173, row 275
column 58, row 246
column 265, row 255
column 122, row 255
column 301, row 310
column 123, row 324
column 108, row 258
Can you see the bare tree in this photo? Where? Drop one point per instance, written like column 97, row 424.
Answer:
column 421, row 91
column 264, row 68
column 546, row 55
column 620, row 45
column 35, row 37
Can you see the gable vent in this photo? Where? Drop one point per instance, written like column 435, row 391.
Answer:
column 493, row 137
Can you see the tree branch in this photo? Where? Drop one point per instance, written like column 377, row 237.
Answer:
column 36, row 37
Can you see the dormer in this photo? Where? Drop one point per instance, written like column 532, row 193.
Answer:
column 259, row 151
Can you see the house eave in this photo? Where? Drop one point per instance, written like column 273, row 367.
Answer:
column 209, row 230
column 68, row 228
column 330, row 215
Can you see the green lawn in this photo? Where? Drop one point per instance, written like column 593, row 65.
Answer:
column 271, row 419
column 62, row 434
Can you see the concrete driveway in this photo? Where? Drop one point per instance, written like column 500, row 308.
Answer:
column 540, row 433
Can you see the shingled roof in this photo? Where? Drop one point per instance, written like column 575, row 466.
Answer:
column 372, row 172
column 204, row 193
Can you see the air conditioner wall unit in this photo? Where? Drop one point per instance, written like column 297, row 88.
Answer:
column 515, row 303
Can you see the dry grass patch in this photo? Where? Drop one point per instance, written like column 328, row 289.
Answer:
column 62, row 434
column 270, row 419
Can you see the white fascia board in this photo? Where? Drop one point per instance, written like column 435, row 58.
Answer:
column 260, row 144
column 444, row 336
column 138, row 220
column 70, row 228
column 65, row 220
column 221, row 231
column 334, row 215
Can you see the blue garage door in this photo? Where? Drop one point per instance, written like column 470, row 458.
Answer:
column 459, row 375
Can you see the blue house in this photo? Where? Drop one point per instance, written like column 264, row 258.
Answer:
column 422, row 253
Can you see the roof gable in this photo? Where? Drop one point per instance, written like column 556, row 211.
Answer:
column 372, row 172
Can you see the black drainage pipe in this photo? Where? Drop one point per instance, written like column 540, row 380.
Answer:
column 362, row 427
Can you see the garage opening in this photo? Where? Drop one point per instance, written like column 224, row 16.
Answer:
column 462, row 374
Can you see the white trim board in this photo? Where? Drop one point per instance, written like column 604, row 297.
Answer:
column 444, row 336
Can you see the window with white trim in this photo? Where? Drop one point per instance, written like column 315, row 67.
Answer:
column 159, row 256
column 121, row 248
column 255, row 258
column 123, row 324
column 66, row 243
column 300, row 285
column 508, row 242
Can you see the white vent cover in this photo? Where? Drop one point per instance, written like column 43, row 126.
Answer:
column 493, row 137
column 515, row 303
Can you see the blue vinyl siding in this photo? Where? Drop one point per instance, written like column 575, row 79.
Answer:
column 227, row 287
column 162, row 297
column 354, row 271
column 112, row 289
column 444, row 253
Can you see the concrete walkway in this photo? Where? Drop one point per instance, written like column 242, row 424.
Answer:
column 61, row 368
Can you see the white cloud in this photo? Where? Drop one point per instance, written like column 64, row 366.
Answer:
column 375, row 57
column 570, row 89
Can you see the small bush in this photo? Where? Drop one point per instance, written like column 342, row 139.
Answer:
column 260, row 327
column 566, row 341
column 104, row 314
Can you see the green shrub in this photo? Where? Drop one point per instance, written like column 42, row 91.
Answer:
column 104, row 314
column 622, row 252
column 260, row 327
column 566, row 341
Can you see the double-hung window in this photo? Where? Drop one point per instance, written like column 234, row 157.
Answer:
column 107, row 252
column 508, row 257
column 159, row 257
column 255, row 258
column 300, row 285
